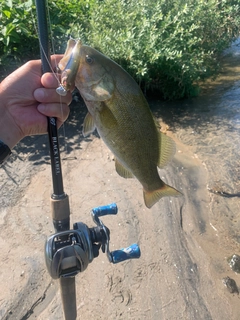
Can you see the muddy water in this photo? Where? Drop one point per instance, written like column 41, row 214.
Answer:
column 209, row 126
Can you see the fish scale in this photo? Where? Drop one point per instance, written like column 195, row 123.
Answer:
column 133, row 131
column 119, row 111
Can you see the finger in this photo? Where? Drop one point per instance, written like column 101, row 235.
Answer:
column 50, row 80
column 56, row 110
column 51, row 96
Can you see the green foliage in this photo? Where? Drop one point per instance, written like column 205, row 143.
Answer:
column 166, row 45
column 16, row 25
column 68, row 18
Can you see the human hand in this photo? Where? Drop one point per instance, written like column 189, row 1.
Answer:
column 26, row 98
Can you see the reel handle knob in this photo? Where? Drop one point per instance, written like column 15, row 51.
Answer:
column 110, row 209
column 131, row 252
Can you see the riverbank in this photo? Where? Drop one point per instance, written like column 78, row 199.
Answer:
column 179, row 275
column 185, row 242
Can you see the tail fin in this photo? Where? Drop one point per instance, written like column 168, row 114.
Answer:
column 152, row 197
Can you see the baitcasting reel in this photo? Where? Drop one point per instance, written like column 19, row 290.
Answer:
column 69, row 252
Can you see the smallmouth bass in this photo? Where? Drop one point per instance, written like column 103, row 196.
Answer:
column 120, row 113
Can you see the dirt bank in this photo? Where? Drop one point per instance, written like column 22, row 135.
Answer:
column 179, row 274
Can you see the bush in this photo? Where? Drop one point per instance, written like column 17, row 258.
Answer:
column 166, row 45
column 69, row 18
column 18, row 26
column 17, row 39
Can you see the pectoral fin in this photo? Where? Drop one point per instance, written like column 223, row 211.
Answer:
column 123, row 171
column 150, row 198
column 167, row 149
column 88, row 125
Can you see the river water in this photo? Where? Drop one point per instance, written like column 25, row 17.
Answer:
column 209, row 126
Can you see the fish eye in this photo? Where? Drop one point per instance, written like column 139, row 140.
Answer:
column 89, row 60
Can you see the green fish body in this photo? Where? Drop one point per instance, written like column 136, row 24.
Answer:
column 120, row 113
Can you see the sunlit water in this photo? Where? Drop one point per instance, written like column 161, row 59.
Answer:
column 210, row 124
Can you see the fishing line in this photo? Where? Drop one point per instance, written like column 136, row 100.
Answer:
column 51, row 32
column 45, row 54
column 56, row 67
column 63, row 127
column 60, row 85
column 49, row 62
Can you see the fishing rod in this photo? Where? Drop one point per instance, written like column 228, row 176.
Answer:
column 68, row 252
column 59, row 200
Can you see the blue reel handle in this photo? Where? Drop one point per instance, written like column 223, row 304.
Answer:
column 105, row 210
column 131, row 252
